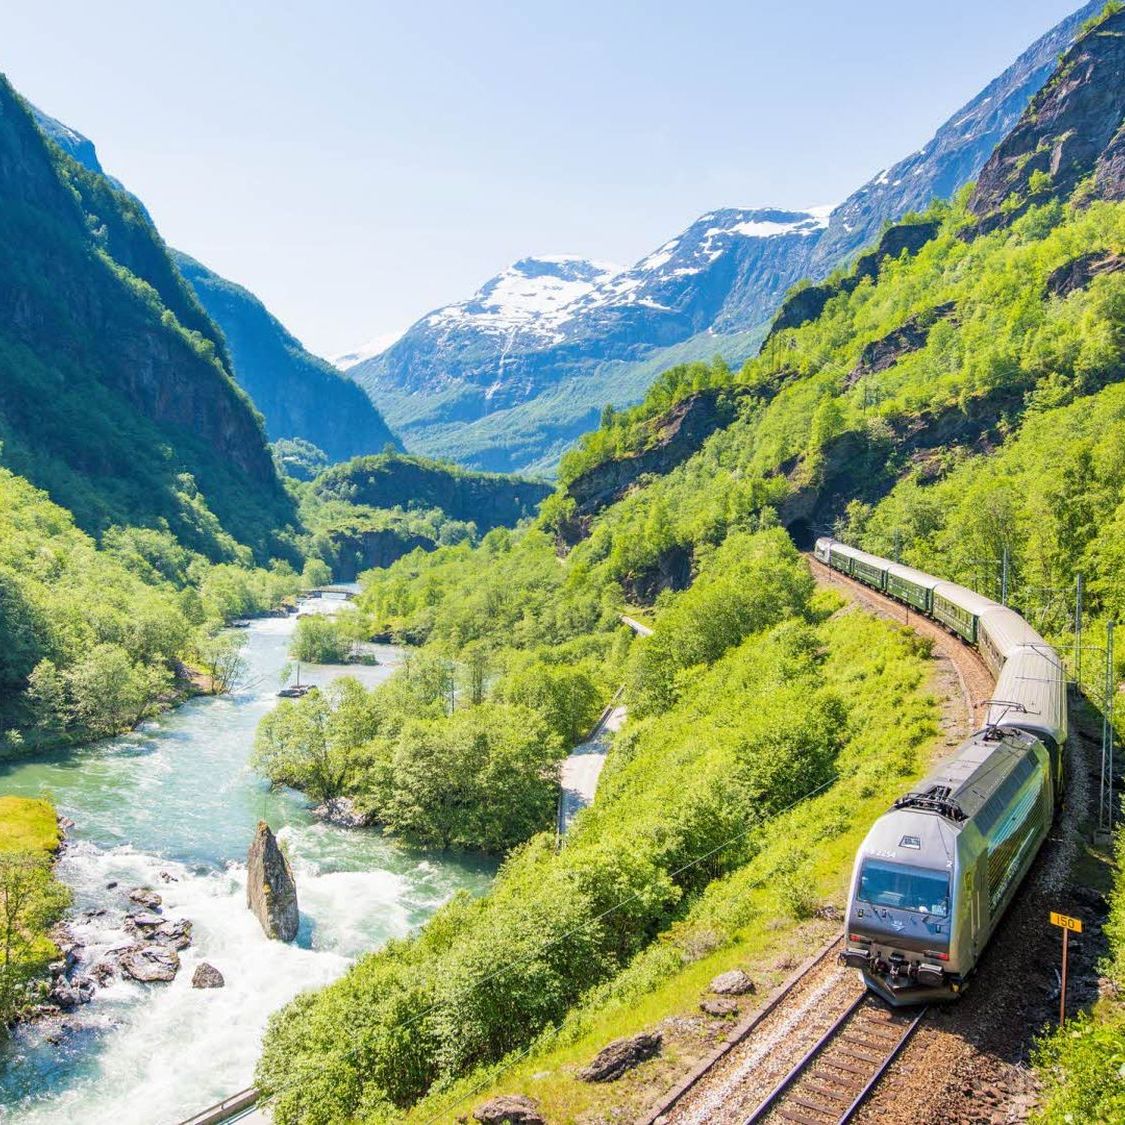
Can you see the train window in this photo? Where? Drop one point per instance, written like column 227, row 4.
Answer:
column 919, row 889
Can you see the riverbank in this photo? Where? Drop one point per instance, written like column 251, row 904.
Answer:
column 31, row 901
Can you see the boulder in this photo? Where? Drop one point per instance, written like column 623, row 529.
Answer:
column 146, row 897
column 722, row 1008
column 271, row 892
column 149, row 963
column 65, row 997
column 342, row 812
column 515, row 1109
column 620, row 1056
column 144, row 924
column 733, row 983
column 176, row 934
column 206, row 976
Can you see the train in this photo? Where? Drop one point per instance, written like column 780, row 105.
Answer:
column 936, row 872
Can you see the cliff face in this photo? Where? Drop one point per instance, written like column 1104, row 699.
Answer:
column 677, row 434
column 299, row 395
column 114, row 394
column 1071, row 129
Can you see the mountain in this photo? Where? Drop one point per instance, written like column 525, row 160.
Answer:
column 115, row 390
column 500, row 391
column 299, row 395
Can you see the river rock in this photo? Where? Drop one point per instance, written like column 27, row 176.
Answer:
column 733, row 983
column 515, row 1109
column 102, row 972
column 168, row 877
column 271, row 892
column 176, row 934
column 206, row 976
column 146, row 897
column 342, row 812
column 148, row 963
column 620, row 1056
column 143, row 923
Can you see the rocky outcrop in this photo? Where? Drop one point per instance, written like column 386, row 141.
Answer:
column 676, row 435
column 509, row 1109
column 342, row 812
column 146, row 897
column 910, row 336
column 389, row 480
column 271, row 891
column 735, row 982
column 1066, row 131
column 207, row 976
column 808, row 303
column 621, row 1056
column 1109, row 174
column 1078, row 273
column 356, row 551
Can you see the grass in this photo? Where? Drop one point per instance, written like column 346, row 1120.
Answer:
column 765, row 917
column 28, row 824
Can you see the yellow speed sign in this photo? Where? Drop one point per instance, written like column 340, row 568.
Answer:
column 1066, row 922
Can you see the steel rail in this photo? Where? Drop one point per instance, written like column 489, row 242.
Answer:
column 799, row 1068
column 861, row 1097
column 778, row 1093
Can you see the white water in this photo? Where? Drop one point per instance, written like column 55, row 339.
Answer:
column 178, row 797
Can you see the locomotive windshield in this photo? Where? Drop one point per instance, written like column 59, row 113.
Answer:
column 906, row 888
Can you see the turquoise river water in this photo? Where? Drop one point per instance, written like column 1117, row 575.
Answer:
column 177, row 797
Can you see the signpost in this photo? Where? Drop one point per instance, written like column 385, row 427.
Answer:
column 1066, row 924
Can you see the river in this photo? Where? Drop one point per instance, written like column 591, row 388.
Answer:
column 173, row 806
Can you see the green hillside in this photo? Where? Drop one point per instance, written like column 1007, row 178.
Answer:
column 115, row 395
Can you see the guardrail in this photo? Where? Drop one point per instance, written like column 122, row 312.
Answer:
column 226, row 1109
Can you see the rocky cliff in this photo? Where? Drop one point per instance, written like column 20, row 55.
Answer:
column 271, row 891
column 1071, row 131
column 114, row 390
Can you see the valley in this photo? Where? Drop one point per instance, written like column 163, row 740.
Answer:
column 568, row 792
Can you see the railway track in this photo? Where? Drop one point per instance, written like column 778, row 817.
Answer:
column 830, row 1082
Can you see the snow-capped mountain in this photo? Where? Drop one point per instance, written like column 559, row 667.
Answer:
column 508, row 378
column 546, row 321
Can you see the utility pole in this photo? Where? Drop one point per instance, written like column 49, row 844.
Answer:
column 898, row 545
column 1078, row 633
column 1004, row 576
column 1105, row 804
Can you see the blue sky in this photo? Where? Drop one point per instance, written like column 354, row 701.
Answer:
column 357, row 164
